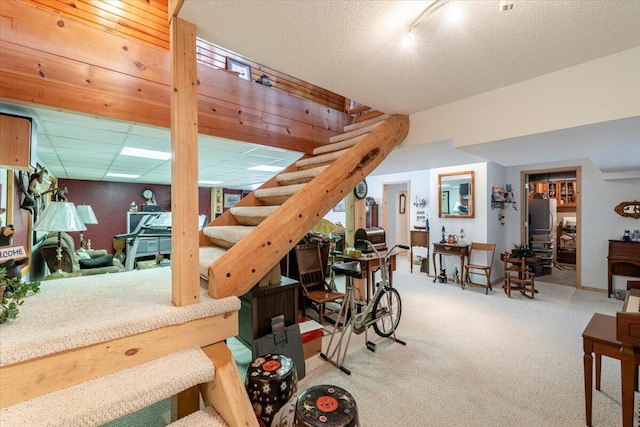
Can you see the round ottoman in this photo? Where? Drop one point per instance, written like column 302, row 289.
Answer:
column 270, row 382
column 326, row 406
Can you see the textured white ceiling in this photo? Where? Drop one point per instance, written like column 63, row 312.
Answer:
column 354, row 47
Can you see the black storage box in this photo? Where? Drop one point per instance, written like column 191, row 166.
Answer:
column 373, row 234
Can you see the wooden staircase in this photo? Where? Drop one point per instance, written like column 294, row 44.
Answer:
column 241, row 246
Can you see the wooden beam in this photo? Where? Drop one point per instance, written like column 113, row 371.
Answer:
column 174, row 8
column 226, row 393
column 278, row 233
column 184, row 165
column 185, row 403
column 31, row 378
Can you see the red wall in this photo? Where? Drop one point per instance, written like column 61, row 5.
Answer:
column 110, row 202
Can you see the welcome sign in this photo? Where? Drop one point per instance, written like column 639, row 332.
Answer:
column 8, row 253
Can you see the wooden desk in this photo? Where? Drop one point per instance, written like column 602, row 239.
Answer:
column 259, row 305
column 628, row 333
column 369, row 265
column 599, row 338
column 440, row 249
column 419, row 238
column 624, row 260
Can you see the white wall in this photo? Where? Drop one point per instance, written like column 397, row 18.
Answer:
column 496, row 233
column 599, row 222
column 475, row 228
column 605, row 89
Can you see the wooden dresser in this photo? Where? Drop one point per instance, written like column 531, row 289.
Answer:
column 624, row 260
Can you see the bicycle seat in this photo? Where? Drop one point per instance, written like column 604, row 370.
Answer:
column 351, row 268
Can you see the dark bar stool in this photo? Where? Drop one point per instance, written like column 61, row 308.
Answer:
column 271, row 382
column 326, row 406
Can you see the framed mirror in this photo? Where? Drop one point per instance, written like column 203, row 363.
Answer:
column 455, row 195
column 630, row 209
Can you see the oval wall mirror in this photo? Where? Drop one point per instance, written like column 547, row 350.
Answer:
column 630, row 209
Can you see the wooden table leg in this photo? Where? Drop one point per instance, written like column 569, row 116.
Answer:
column 435, row 267
column 411, row 257
column 627, row 371
column 588, row 375
column 598, row 370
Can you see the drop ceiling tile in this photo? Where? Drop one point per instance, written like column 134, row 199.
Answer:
column 88, row 147
column 151, row 132
column 147, row 143
column 83, row 133
column 63, row 117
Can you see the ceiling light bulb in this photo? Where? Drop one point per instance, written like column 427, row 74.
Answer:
column 455, row 13
column 408, row 39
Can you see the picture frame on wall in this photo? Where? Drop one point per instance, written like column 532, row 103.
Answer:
column 243, row 69
column 231, row 199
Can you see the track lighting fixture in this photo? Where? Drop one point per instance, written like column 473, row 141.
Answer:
column 437, row 4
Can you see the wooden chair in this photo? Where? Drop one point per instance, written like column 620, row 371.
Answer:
column 518, row 277
column 315, row 290
column 486, row 249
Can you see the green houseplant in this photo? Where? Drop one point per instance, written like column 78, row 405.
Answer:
column 522, row 251
column 15, row 295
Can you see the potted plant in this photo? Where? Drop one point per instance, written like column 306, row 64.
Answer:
column 522, row 251
column 13, row 298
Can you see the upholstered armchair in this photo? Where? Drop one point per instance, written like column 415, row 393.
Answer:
column 84, row 263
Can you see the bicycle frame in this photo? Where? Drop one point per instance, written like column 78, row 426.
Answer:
column 360, row 322
column 360, row 319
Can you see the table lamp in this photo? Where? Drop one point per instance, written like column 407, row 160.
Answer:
column 59, row 217
column 87, row 217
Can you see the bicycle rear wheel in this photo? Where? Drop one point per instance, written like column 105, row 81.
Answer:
column 387, row 309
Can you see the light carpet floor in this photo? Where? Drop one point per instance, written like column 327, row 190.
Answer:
column 474, row 360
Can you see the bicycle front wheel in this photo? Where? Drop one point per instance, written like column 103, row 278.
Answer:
column 387, row 309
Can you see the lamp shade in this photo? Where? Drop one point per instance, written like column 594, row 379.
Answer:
column 86, row 214
column 59, row 216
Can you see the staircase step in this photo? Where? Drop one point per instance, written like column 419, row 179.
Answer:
column 208, row 254
column 252, row 215
column 299, row 177
column 277, row 195
column 207, row 417
column 109, row 397
column 368, row 116
column 226, row 236
column 337, row 146
column 354, row 133
column 323, row 159
column 364, row 123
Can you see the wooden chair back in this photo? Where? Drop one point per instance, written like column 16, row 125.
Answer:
column 314, row 287
column 310, row 267
column 477, row 247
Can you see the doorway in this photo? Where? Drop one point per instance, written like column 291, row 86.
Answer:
column 550, row 223
column 395, row 213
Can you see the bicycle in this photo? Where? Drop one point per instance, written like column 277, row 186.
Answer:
column 382, row 311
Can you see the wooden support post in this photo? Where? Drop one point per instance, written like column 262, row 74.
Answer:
column 185, row 403
column 184, row 164
column 226, row 393
column 349, row 219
